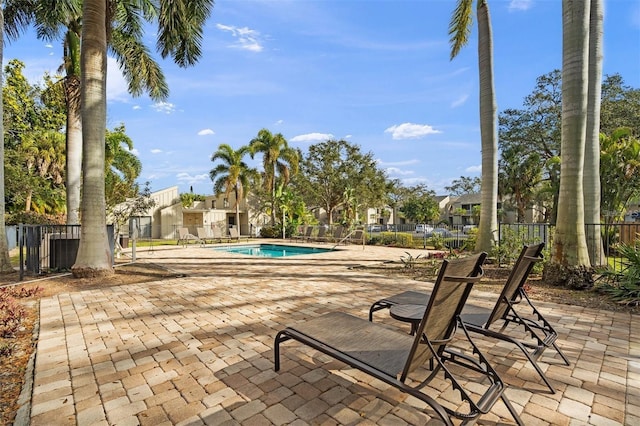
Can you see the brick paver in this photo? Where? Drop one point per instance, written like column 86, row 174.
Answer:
column 199, row 350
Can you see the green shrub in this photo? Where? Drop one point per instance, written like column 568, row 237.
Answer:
column 624, row 286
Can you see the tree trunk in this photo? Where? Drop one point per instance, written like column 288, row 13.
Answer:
column 570, row 245
column 94, row 257
column 5, row 260
column 74, row 149
column 488, row 227
column 592, row 147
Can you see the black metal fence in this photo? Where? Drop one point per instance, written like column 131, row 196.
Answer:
column 50, row 248
column 610, row 235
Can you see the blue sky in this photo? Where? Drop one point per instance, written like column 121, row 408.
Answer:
column 375, row 73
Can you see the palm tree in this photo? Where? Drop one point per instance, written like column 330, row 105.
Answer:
column 592, row 148
column 232, row 174
column 459, row 30
column 277, row 156
column 122, row 167
column 180, row 26
column 570, row 245
column 142, row 72
column 14, row 17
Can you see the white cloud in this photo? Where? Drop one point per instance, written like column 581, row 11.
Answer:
column 474, row 169
column 166, row 107
column 399, row 172
column 520, row 5
column 248, row 39
column 397, row 163
column 137, row 107
column 279, row 122
column 49, row 46
column 348, row 136
column 205, row 132
column 460, row 101
column 117, row 87
column 156, row 151
column 312, row 137
column 410, row 131
column 190, row 179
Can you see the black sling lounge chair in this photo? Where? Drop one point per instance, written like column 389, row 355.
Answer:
column 391, row 355
column 481, row 320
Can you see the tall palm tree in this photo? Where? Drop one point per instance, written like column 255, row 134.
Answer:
column 180, row 26
column 570, row 245
column 14, row 17
column 122, row 167
column 278, row 157
column 232, row 174
column 459, row 30
column 592, row 147
column 142, row 72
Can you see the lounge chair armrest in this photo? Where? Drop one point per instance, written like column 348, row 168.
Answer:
column 465, row 279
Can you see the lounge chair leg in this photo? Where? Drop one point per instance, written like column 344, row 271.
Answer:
column 511, row 409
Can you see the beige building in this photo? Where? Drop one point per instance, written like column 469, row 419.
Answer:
column 168, row 214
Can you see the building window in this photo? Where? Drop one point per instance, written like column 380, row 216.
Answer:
column 213, row 204
column 225, row 203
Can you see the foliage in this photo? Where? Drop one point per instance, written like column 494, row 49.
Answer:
column 122, row 167
column 534, row 131
column 332, row 169
column 34, row 218
column 12, row 314
column 133, row 206
column 409, row 261
column 512, row 239
column 519, row 179
column 278, row 157
column 623, row 285
column 620, row 172
column 7, row 349
column 421, row 206
column 464, row 185
column 437, row 241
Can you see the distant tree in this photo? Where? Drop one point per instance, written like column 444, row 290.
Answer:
column 14, row 18
column 534, row 131
column 620, row 172
column 278, row 157
column 421, row 206
column 620, row 106
column 122, row 167
column 231, row 174
column 330, row 168
column 464, row 185
column 134, row 206
column 396, row 194
column 519, row 179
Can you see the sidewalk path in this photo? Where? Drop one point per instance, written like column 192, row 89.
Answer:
column 199, row 350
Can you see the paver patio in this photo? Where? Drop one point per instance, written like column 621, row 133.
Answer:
column 199, row 350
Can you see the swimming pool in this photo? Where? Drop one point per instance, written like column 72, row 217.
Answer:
column 271, row 250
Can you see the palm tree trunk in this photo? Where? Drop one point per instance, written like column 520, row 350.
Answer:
column 592, row 149
column 570, row 245
column 5, row 260
column 237, row 211
column 74, row 149
column 94, row 257
column 488, row 227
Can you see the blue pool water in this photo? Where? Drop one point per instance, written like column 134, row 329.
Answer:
column 271, row 250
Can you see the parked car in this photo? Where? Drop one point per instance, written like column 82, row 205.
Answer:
column 467, row 228
column 423, row 229
column 444, row 233
column 375, row 228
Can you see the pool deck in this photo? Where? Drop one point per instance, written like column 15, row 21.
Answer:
column 198, row 349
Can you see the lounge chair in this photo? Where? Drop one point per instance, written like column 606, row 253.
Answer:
column 217, row 235
column 336, row 235
column 392, row 356
column 321, row 236
column 203, row 235
column 357, row 237
column 184, row 237
column 305, row 235
column 234, row 235
column 482, row 320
